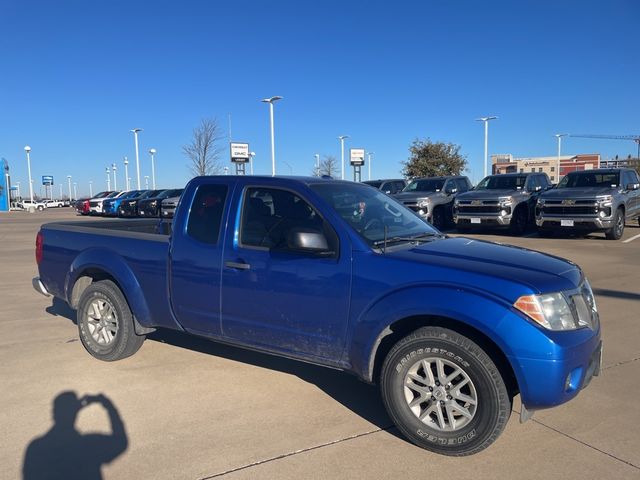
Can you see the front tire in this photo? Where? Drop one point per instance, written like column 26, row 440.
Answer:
column 519, row 221
column 439, row 220
column 105, row 323
column 615, row 232
column 444, row 393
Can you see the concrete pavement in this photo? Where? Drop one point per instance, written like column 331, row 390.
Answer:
column 194, row 409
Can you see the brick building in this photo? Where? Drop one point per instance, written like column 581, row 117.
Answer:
column 506, row 163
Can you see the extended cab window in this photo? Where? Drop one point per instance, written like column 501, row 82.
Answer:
column 271, row 215
column 205, row 216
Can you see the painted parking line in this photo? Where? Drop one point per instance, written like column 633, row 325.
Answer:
column 635, row 237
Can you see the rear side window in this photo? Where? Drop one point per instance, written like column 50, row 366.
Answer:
column 205, row 216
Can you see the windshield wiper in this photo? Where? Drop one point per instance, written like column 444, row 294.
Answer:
column 414, row 238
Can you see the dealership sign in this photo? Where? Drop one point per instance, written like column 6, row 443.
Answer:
column 357, row 156
column 239, row 152
column 47, row 180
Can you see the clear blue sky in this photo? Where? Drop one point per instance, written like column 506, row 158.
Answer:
column 75, row 76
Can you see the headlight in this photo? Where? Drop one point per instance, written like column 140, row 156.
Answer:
column 541, row 201
column 505, row 201
column 424, row 202
column 561, row 311
column 604, row 201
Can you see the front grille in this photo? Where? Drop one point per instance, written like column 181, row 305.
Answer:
column 94, row 204
column 569, row 210
column 478, row 208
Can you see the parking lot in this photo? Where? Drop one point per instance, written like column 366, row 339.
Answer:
column 195, row 409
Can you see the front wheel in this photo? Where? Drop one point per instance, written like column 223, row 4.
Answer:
column 444, row 393
column 519, row 221
column 438, row 219
column 615, row 232
column 105, row 323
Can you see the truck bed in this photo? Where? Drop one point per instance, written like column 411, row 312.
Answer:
column 118, row 227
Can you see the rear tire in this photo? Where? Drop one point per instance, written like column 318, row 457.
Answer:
column 616, row 232
column 444, row 393
column 105, row 323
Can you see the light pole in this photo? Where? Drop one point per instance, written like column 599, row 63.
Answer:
column 273, row 147
column 152, row 151
column 317, row 155
column 251, row 155
column 146, row 182
column 18, row 185
column 69, row 181
column 75, row 190
column 559, row 137
column 115, row 181
column 27, row 149
column 60, row 185
column 486, row 121
column 135, row 137
column 108, row 180
column 126, row 172
column 369, row 155
column 91, row 188
column 342, row 139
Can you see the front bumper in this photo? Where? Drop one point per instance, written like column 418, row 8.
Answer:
column 545, row 383
column 579, row 223
column 469, row 220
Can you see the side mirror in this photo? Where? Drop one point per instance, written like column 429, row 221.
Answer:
column 451, row 191
column 537, row 188
column 633, row 186
column 308, row 241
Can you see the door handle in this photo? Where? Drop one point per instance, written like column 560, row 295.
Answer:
column 237, row 265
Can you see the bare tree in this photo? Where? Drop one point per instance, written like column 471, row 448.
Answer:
column 328, row 166
column 204, row 152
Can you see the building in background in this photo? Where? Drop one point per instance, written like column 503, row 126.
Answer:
column 506, row 163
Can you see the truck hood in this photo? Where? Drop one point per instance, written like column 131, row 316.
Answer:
column 589, row 192
column 489, row 194
column 478, row 260
column 413, row 196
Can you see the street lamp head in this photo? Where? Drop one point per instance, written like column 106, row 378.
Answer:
column 69, row 176
column 252, row 154
column 560, row 135
column 136, row 130
column 271, row 99
column 107, row 169
column 126, row 162
column 485, row 119
column 27, row 148
column 342, row 137
column 152, row 151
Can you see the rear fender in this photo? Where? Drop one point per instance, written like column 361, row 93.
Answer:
column 113, row 265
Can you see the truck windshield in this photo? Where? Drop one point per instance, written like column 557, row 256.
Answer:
column 374, row 183
column 502, row 182
column 590, row 179
column 425, row 185
column 372, row 214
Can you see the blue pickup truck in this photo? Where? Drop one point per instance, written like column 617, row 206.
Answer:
column 341, row 275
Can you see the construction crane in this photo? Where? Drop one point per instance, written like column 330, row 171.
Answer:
column 635, row 138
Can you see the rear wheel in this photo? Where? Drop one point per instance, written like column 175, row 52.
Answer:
column 105, row 323
column 444, row 393
column 615, row 232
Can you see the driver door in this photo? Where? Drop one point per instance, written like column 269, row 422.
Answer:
column 279, row 298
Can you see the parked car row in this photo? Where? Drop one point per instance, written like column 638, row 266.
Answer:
column 599, row 200
column 131, row 203
column 40, row 205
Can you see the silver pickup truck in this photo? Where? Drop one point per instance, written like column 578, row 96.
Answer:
column 501, row 201
column 590, row 201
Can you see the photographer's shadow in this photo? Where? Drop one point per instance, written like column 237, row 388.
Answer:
column 65, row 453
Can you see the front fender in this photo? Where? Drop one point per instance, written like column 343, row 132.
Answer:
column 478, row 309
column 114, row 265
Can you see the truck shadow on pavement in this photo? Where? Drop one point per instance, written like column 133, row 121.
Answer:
column 361, row 398
column 65, row 453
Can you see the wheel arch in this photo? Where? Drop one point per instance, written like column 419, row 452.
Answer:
column 403, row 327
column 94, row 265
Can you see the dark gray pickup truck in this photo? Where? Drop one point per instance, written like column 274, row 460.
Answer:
column 590, row 201
column 432, row 198
column 501, row 201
